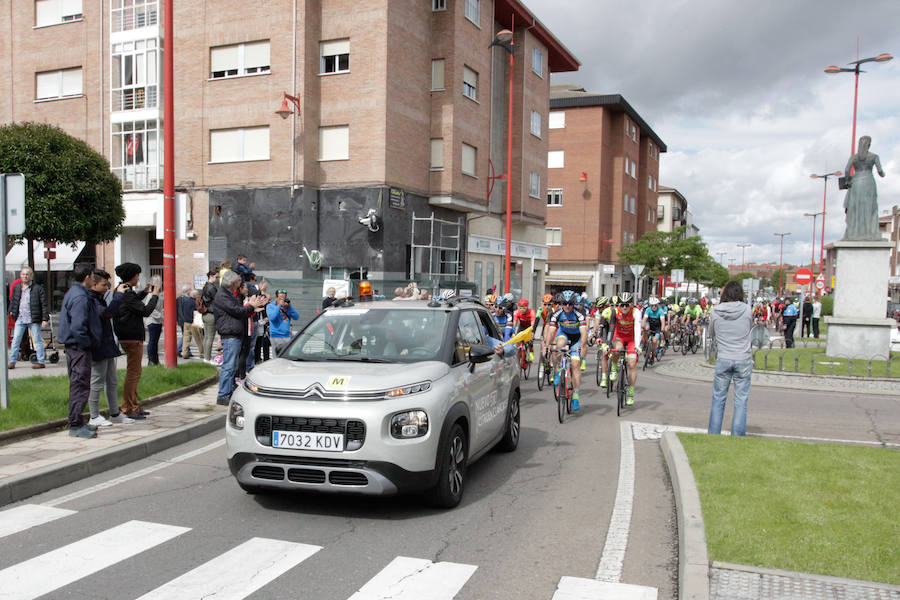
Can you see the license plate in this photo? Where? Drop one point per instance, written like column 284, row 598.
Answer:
column 299, row 440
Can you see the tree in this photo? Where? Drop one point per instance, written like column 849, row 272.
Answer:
column 70, row 193
column 744, row 275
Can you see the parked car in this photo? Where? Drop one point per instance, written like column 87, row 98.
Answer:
column 377, row 398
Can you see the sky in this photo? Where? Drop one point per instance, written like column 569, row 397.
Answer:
column 737, row 91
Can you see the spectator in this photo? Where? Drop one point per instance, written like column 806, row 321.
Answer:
column 262, row 350
column 806, row 326
column 231, row 321
column 104, row 353
column 28, row 308
column 154, row 322
column 184, row 316
column 730, row 324
column 207, row 296
column 129, row 328
column 224, row 267
column 329, row 298
column 280, row 314
column 816, row 315
column 79, row 332
column 242, row 268
column 196, row 324
column 789, row 317
column 247, row 350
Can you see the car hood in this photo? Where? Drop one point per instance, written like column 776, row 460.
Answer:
column 283, row 374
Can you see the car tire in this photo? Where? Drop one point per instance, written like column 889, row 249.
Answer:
column 510, row 439
column 451, row 470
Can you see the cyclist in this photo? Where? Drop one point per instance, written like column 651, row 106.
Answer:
column 524, row 318
column 653, row 322
column 543, row 315
column 568, row 327
column 602, row 332
column 598, row 321
column 691, row 316
column 623, row 336
column 583, row 305
column 503, row 316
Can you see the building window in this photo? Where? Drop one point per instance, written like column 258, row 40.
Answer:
column 634, row 133
column 64, row 83
column 556, row 120
column 239, row 144
column 633, row 206
column 554, row 236
column 627, row 127
column 473, row 11
column 534, row 185
column 52, row 12
column 630, row 238
column 335, row 56
column 133, row 14
column 470, row 83
column 556, row 159
column 237, row 60
column 537, row 61
column 627, row 162
column 625, row 203
column 469, row 155
column 334, row 142
column 437, row 5
column 479, row 271
column 489, row 277
column 535, row 123
column 437, row 154
column 633, row 170
column 135, row 75
column 554, row 197
column 135, row 156
column 624, row 237
column 649, row 182
column 437, row 74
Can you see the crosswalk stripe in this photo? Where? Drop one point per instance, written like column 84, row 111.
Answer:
column 237, row 573
column 27, row 516
column 416, row 579
column 578, row 588
column 60, row 567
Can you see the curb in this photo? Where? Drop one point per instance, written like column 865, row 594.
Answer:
column 826, row 579
column 19, row 487
column 23, row 432
column 693, row 561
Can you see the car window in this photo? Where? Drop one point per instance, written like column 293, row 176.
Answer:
column 468, row 334
column 489, row 326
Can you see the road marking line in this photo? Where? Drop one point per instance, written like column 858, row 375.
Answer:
column 613, row 557
column 53, row 570
column 27, row 516
column 416, row 579
column 579, row 588
column 135, row 475
column 237, row 573
column 652, row 431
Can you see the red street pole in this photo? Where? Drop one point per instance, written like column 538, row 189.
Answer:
column 169, row 324
column 822, row 240
column 509, row 168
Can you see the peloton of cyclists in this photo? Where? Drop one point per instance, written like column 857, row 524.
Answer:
column 568, row 327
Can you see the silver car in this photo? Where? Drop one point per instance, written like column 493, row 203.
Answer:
column 377, row 398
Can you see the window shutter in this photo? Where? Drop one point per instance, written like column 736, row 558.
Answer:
column 437, row 153
column 557, row 120
column 334, row 143
column 71, row 82
column 556, row 159
column 224, row 145
column 47, row 85
column 256, row 55
column 45, row 12
column 335, row 47
column 468, row 159
column 70, row 7
column 437, row 74
column 223, row 58
column 256, row 143
column 470, row 77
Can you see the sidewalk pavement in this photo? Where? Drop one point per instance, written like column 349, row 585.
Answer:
column 23, row 367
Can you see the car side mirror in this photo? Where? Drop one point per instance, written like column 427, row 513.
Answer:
column 480, row 353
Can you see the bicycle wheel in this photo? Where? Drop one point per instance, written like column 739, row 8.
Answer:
column 559, row 391
column 526, row 370
column 676, row 342
column 540, row 378
column 569, row 390
column 620, row 389
column 599, row 369
column 695, row 344
column 685, row 343
column 646, row 357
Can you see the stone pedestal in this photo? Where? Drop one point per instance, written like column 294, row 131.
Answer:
column 859, row 327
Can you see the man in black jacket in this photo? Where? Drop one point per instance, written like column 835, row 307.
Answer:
column 232, row 320
column 129, row 326
column 28, row 308
column 184, row 306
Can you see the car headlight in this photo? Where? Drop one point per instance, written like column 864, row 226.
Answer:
column 409, row 424
column 236, row 415
column 250, row 386
column 415, row 388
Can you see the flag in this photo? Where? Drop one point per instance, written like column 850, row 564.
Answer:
column 523, row 336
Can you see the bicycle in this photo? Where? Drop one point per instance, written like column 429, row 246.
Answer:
column 562, row 385
column 676, row 337
column 621, row 381
column 545, row 371
column 689, row 340
column 522, row 359
column 650, row 356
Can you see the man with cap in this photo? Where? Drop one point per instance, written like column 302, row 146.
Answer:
column 129, row 326
column 280, row 313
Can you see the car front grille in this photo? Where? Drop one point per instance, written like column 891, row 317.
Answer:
column 306, row 475
column 268, row 472
column 347, row 478
column 317, row 392
column 354, row 431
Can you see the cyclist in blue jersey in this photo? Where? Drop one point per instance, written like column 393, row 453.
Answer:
column 653, row 320
column 568, row 327
column 503, row 314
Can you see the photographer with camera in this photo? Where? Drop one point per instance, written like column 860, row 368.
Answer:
column 129, row 327
column 280, row 313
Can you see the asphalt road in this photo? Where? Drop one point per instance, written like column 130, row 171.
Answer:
column 527, row 519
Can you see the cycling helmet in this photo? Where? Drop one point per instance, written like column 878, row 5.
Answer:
column 505, row 303
column 602, row 301
column 548, row 298
column 614, row 300
column 523, row 303
column 487, row 298
column 692, row 301
column 654, row 301
column 492, row 299
column 683, row 301
column 625, row 299
column 568, row 297
column 585, row 299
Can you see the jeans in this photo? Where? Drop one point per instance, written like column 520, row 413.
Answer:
column 103, row 375
column 19, row 333
column 154, row 330
column 727, row 371
column 209, row 334
column 231, row 351
column 78, row 362
column 815, row 327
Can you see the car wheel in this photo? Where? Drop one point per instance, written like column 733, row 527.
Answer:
column 452, row 470
column 511, row 438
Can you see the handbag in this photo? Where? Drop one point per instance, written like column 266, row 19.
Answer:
column 198, row 319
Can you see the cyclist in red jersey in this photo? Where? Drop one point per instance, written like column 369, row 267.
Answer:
column 523, row 318
column 624, row 333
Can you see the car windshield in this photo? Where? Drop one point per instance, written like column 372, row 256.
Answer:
column 371, row 335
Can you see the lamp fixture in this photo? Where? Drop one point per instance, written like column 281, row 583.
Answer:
column 285, row 111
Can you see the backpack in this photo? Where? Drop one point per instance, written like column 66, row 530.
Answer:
column 208, row 294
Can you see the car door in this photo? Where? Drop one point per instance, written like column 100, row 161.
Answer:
column 474, row 380
column 493, row 417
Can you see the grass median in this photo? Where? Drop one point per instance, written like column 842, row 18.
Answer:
column 815, row 361
column 39, row 399
column 814, row 508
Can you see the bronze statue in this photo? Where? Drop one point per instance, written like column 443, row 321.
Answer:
column 861, row 201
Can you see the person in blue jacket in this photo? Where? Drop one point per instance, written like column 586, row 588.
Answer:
column 280, row 313
column 105, row 352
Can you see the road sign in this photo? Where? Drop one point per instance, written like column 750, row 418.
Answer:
column 803, row 276
column 637, row 269
column 14, row 184
column 609, row 269
column 820, row 284
column 677, row 275
column 50, row 254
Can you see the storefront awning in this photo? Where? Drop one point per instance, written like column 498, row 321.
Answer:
column 17, row 257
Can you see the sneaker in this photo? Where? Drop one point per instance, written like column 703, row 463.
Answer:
column 575, row 405
column 556, row 378
column 100, row 421
column 603, row 380
column 82, row 432
column 613, row 373
column 144, row 413
column 629, row 396
column 531, row 357
column 583, row 364
column 91, row 427
column 136, row 416
column 121, row 418
column 11, row 366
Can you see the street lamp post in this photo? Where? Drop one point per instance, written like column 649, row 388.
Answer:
column 742, row 246
column 824, row 196
column 781, row 259
column 169, row 321
column 504, row 39
column 721, row 256
column 812, row 258
column 833, row 70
